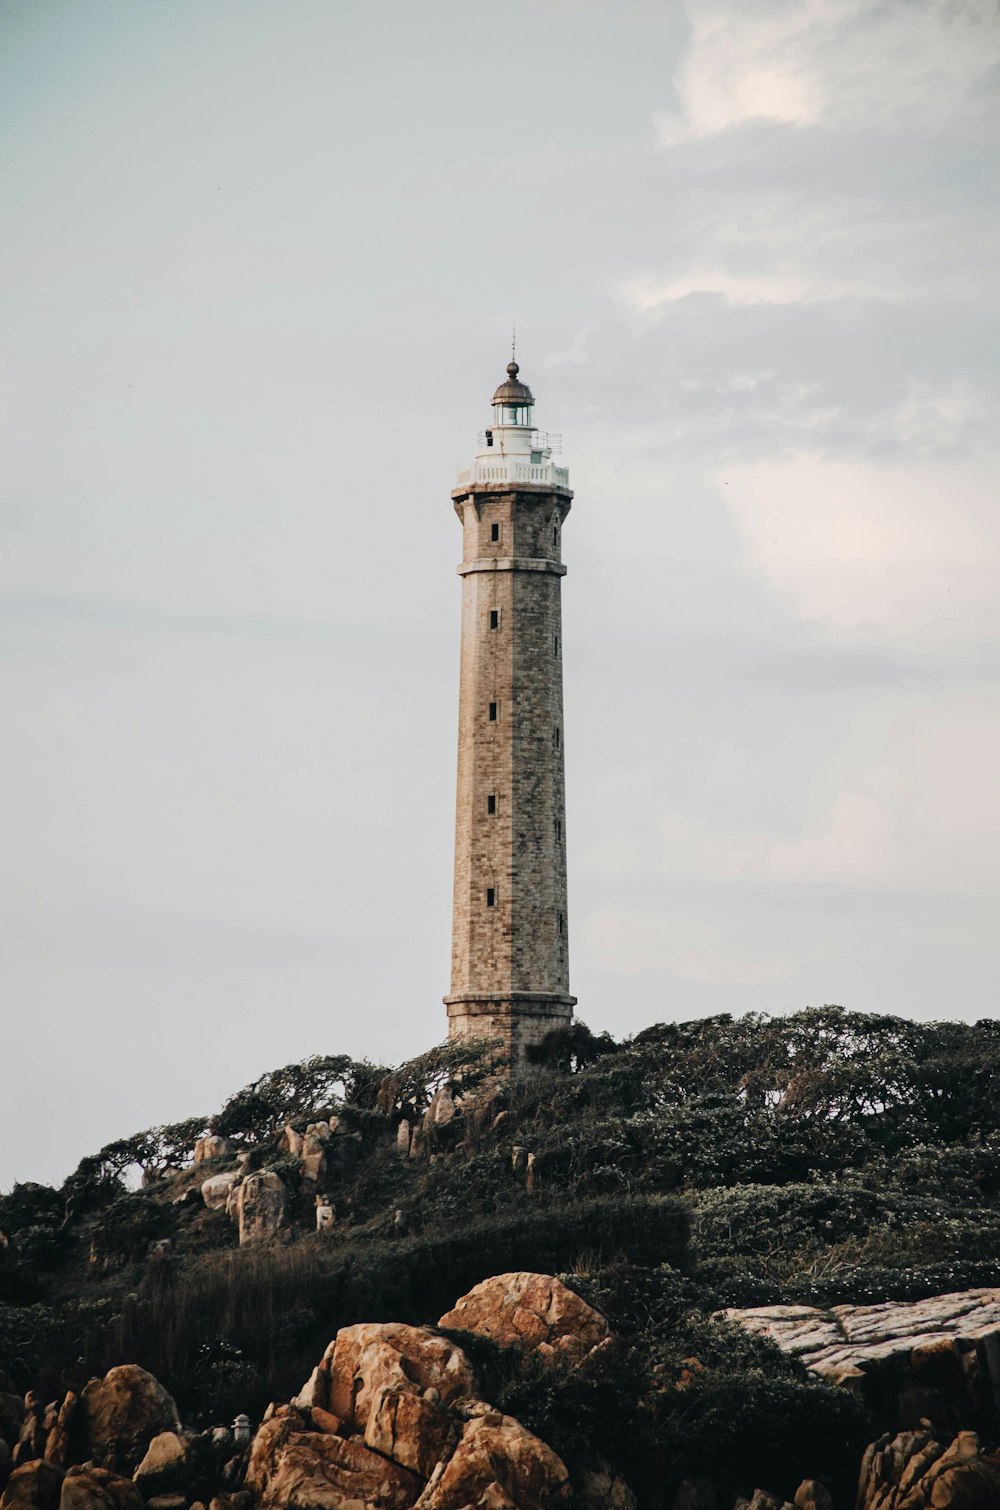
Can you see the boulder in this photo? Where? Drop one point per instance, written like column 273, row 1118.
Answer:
column 532, row 1311
column 409, row 1429
column 215, row 1190
column 211, row 1146
column 33, row 1486
column 935, row 1360
column 912, row 1471
column 598, row 1486
column 317, row 1471
column 403, row 1139
column 812, row 1495
column 162, row 1467
column 361, row 1359
column 498, row 1465
column 259, row 1204
column 442, row 1109
column 128, row 1407
column 293, row 1141
column 90, row 1488
column 314, row 1142
column 57, row 1440
column 31, row 1438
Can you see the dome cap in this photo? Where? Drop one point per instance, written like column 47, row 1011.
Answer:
column 512, row 391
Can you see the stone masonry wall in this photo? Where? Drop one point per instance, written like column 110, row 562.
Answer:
column 510, row 961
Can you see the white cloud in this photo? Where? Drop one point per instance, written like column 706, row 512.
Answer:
column 923, row 816
column 632, row 942
column 809, row 62
column 789, row 285
column 850, row 844
column 893, row 554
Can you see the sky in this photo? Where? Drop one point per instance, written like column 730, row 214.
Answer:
column 258, row 273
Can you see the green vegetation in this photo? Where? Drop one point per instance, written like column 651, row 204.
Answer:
column 817, row 1158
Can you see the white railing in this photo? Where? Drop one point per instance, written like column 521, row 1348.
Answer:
column 514, row 471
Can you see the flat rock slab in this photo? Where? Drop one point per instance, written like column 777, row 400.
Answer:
column 833, row 1341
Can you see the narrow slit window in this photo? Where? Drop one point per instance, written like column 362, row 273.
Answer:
column 494, row 618
column 555, row 737
column 558, row 828
column 491, row 897
column 491, row 803
column 562, row 923
column 555, row 534
column 493, row 713
column 555, row 644
column 494, row 532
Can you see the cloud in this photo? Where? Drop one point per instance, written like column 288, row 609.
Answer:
column 785, row 286
column 806, row 63
column 908, row 555
column 923, row 815
column 634, row 942
column 851, row 844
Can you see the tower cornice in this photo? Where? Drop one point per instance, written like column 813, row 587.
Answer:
column 512, row 563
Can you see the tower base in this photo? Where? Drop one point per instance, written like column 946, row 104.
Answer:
column 519, row 1020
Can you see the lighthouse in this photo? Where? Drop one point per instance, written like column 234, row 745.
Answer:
column 510, row 935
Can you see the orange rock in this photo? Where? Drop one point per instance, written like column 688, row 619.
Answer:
column 128, row 1407
column 533, row 1311
column 316, row 1471
column 362, row 1359
column 324, row 1420
column 409, row 1429
column 498, row 1465
column 90, row 1488
column 33, row 1486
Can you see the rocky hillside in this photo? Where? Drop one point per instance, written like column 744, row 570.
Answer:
column 721, row 1207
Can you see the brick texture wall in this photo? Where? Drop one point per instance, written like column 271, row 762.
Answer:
column 510, row 960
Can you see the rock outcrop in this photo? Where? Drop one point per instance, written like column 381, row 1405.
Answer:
column 215, row 1191
column 211, row 1146
column 126, row 1409
column 33, row 1486
column 935, row 1360
column 391, row 1418
column 912, row 1471
column 362, row 1359
column 531, row 1311
column 258, row 1205
column 500, row 1465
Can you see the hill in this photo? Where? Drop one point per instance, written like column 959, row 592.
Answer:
column 815, row 1159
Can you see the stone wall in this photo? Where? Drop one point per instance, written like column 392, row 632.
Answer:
column 510, row 960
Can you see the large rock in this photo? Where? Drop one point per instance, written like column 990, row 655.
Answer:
column 498, row 1465
column 934, row 1360
column 170, row 1464
column 90, row 1488
column 912, row 1471
column 57, row 1442
column 316, row 1471
column 531, row 1311
column 314, row 1141
column 211, row 1146
column 215, row 1190
column 128, row 1407
column 409, row 1429
column 259, row 1205
column 598, row 1486
column 362, row 1359
column 33, row 1486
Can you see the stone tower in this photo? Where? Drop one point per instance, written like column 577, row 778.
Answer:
column 510, row 939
